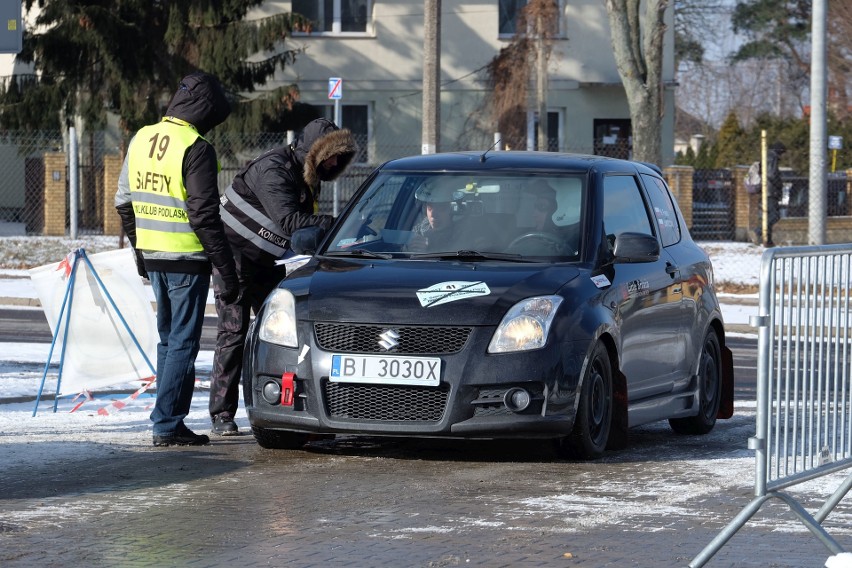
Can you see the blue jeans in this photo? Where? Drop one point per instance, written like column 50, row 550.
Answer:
column 181, row 301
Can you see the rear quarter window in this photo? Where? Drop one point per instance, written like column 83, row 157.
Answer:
column 664, row 210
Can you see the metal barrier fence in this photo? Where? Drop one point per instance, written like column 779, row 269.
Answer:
column 804, row 382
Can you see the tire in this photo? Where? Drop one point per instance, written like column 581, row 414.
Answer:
column 277, row 440
column 593, row 422
column 709, row 390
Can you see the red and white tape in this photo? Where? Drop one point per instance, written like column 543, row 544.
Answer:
column 117, row 405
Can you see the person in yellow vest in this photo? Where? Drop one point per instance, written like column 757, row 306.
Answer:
column 168, row 201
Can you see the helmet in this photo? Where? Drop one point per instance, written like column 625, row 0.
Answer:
column 778, row 147
column 433, row 192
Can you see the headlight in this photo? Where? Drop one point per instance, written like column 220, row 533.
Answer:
column 278, row 324
column 525, row 326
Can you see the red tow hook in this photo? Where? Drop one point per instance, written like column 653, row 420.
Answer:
column 288, row 388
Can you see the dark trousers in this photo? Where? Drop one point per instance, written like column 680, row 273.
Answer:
column 773, row 216
column 256, row 282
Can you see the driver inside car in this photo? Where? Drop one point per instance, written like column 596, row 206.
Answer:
column 544, row 236
column 437, row 230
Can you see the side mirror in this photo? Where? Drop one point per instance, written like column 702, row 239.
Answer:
column 636, row 247
column 307, row 240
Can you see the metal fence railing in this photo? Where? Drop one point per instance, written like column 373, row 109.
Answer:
column 715, row 197
column 804, row 382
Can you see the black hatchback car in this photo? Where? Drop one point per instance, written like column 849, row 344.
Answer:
column 494, row 295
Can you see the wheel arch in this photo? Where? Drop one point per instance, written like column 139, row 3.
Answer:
column 726, row 405
column 619, row 426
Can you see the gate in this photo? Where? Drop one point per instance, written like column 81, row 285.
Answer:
column 712, row 205
column 804, row 385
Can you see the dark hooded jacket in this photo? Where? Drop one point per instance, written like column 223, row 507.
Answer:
column 274, row 194
column 200, row 101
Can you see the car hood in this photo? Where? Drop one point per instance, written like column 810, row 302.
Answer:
column 425, row 292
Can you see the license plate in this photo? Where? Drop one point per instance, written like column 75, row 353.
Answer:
column 386, row 369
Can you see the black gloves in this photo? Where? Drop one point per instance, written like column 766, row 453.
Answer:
column 140, row 264
column 226, row 287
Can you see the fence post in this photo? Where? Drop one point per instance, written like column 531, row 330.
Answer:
column 112, row 169
column 744, row 205
column 54, row 194
column 73, row 182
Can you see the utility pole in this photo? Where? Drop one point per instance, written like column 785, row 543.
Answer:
column 541, row 83
column 819, row 143
column 431, row 75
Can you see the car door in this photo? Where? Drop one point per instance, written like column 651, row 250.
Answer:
column 647, row 298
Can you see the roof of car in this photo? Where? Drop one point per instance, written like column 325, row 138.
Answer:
column 524, row 160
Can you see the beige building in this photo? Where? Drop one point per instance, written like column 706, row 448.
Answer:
column 377, row 49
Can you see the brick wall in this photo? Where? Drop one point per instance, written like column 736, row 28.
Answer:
column 112, row 169
column 55, row 194
column 679, row 179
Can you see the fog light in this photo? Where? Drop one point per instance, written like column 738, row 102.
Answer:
column 517, row 399
column 271, row 392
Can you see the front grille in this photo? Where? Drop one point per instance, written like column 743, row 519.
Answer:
column 385, row 403
column 351, row 338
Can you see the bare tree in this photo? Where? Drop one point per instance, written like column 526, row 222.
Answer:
column 511, row 72
column 638, row 49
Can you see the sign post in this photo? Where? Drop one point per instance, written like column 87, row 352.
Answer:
column 835, row 143
column 335, row 93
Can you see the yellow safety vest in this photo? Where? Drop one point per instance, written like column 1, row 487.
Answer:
column 155, row 168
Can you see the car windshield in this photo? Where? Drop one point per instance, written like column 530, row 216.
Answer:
column 464, row 215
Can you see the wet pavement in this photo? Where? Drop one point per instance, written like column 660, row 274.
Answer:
column 83, row 499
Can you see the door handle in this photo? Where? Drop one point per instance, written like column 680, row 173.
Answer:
column 672, row 270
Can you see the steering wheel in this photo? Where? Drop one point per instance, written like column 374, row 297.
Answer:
column 547, row 237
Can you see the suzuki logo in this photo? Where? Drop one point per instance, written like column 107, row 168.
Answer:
column 389, row 339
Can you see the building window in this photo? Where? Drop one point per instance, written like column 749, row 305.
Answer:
column 553, row 130
column 508, row 18
column 356, row 118
column 613, row 138
column 335, row 16
column 509, row 13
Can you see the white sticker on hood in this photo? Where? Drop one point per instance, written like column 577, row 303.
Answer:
column 450, row 292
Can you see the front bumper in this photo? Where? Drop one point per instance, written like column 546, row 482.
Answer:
column 470, row 401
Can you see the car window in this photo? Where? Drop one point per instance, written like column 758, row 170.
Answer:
column 664, row 209
column 624, row 207
column 406, row 214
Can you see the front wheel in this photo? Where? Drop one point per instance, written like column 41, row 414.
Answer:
column 278, row 440
column 709, row 390
column 592, row 424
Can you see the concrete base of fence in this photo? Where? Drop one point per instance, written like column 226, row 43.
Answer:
column 9, row 229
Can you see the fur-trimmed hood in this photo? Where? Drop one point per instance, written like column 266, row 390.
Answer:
column 320, row 140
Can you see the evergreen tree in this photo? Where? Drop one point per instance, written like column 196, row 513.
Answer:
column 729, row 143
column 127, row 56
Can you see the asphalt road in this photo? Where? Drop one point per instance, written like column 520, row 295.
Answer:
column 29, row 325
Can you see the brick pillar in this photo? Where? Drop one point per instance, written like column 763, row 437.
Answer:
column 55, row 194
column 679, row 179
column 745, row 205
column 112, row 169
column 848, row 191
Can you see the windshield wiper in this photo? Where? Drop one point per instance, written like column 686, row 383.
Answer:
column 470, row 255
column 363, row 253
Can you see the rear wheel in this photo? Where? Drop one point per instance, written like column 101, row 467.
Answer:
column 709, row 390
column 277, row 440
column 590, row 434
